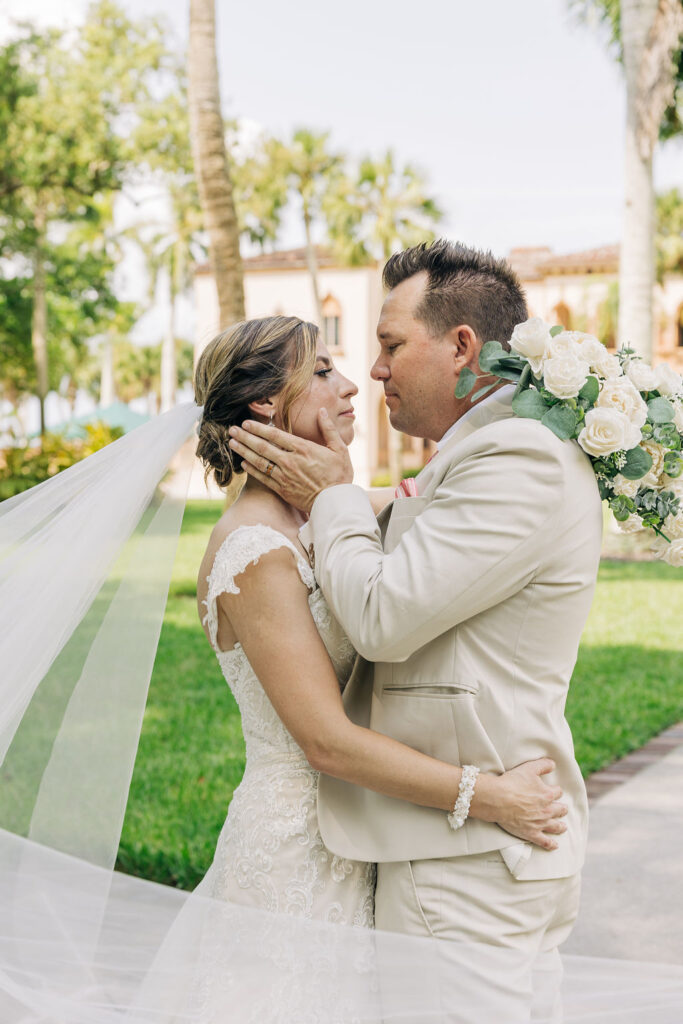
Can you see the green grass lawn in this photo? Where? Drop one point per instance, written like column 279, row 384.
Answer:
column 627, row 686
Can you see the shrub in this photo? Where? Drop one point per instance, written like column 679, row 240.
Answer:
column 25, row 465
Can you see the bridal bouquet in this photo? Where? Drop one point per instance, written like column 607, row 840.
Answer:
column 627, row 416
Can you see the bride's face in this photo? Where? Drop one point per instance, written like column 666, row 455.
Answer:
column 329, row 390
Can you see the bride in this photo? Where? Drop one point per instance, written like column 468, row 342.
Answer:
column 286, row 659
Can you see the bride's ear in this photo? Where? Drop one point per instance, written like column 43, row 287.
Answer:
column 265, row 408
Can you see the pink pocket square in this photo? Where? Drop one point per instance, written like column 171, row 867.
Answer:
column 407, row 488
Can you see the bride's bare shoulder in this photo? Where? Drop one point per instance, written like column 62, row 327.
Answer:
column 250, row 510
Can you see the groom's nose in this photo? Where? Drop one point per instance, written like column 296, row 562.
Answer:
column 379, row 371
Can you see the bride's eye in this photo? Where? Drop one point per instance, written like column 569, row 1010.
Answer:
column 323, row 373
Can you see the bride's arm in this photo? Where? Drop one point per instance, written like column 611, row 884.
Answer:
column 272, row 620
column 380, row 497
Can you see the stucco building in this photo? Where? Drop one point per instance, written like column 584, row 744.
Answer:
column 578, row 290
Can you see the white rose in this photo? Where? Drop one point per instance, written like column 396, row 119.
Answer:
column 530, row 339
column 607, row 431
column 628, row 488
column 564, row 344
column 672, row 553
column 678, row 415
column 651, row 478
column 673, row 526
column 565, row 375
column 631, row 525
column 623, row 395
column 589, row 348
column 642, row 375
column 606, row 365
column 669, row 382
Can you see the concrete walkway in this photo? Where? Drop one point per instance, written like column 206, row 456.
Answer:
column 632, row 896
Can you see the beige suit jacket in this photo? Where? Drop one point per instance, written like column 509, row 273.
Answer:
column 466, row 606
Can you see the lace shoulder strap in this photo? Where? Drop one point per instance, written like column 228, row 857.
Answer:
column 240, row 549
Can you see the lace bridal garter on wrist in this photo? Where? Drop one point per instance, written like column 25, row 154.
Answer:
column 85, row 564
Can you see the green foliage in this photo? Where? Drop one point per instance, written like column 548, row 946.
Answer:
column 466, row 382
column 562, row 420
column 68, row 144
column 529, row 404
column 379, row 209
column 638, row 463
column 23, row 466
column 660, row 410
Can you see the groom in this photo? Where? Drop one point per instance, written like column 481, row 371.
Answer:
column 466, row 604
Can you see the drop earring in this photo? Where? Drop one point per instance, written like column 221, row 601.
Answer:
column 270, row 421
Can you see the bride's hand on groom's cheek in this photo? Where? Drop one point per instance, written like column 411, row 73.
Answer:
column 296, row 469
column 522, row 803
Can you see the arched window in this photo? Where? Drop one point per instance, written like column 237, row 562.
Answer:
column 331, row 325
column 563, row 316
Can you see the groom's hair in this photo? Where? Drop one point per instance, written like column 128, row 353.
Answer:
column 465, row 286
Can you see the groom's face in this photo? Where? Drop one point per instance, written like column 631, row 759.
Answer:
column 417, row 370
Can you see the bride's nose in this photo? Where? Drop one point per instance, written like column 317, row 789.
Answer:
column 347, row 389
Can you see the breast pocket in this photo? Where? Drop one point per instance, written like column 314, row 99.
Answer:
column 404, row 511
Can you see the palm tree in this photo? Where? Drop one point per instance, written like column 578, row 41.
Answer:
column 311, row 169
column 386, row 208
column 211, row 162
column 648, row 37
column 171, row 252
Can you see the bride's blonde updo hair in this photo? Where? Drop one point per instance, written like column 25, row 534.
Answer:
column 250, row 361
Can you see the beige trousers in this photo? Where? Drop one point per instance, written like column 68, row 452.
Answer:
column 499, row 963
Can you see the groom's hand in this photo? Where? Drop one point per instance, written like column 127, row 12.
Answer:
column 296, row 469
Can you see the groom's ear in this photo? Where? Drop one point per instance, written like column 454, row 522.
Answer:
column 465, row 346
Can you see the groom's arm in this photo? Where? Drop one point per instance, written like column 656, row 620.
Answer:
column 477, row 542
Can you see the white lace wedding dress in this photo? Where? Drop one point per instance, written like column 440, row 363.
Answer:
column 270, row 853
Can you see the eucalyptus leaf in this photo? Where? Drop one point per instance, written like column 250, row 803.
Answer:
column 562, row 420
column 466, row 382
column 491, row 351
column 557, row 329
column 638, row 463
column 507, row 373
column 590, row 390
column 659, row 410
column 484, row 391
column 529, row 404
column 524, row 380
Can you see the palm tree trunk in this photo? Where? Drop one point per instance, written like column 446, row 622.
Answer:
column 650, row 32
column 39, row 316
column 211, row 162
column 312, row 262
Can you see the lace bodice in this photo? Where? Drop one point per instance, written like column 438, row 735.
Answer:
column 264, row 733
column 270, row 853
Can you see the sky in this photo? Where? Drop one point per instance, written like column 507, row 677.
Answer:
column 513, row 111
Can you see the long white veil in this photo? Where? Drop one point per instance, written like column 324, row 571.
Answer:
column 85, row 565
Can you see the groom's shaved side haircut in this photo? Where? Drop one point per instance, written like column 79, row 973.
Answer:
column 465, row 286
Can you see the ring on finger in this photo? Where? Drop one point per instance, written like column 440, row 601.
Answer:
column 269, row 468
